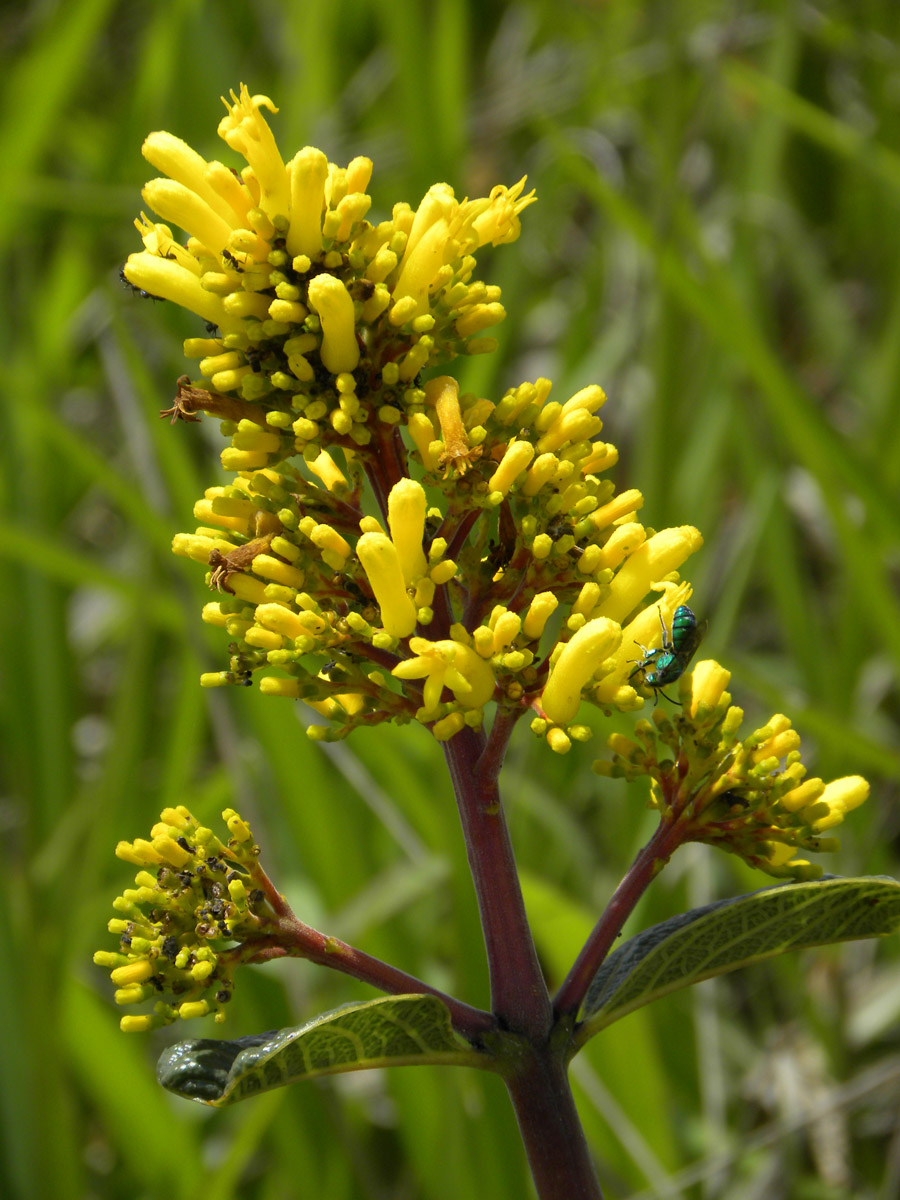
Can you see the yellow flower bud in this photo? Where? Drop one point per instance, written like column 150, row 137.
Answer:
column 381, row 563
column 331, row 300
column 134, row 972
column 136, row 1024
column 578, row 425
column 558, row 740
column 183, row 207
column 278, row 571
column 180, row 162
column 539, row 611
column 193, row 1008
column 541, row 471
column 245, row 587
column 169, row 849
column 443, row 572
column 623, row 541
column 708, row 684
column 517, row 457
column 580, row 658
column 841, row 796
column 308, row 172
column 800, row 797
column 479, row 317
column 280, row 619
column 272, row 685
column 335, row 548
column 620, row 506
column 424, row 435
column 444, row 729
column 425, row 247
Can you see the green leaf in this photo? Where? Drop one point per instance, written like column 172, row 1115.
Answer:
column 732, row 933
column 391, row 1031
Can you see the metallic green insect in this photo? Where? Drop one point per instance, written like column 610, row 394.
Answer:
column 666, row 664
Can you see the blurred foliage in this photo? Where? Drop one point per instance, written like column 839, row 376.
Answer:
column 716, row 244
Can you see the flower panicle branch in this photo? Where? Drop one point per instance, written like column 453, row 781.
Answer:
column 199, row 907
column 748, row 795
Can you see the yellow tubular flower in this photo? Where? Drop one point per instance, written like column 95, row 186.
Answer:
column 581, row 656
column 425, row 248
column 168, row 279
column 309, row 171
column 178, row 204
column 801, row 797
column 620, row 506
column 245, row 130
column 325, row 468
column 331, row 300
column 381, row 563
column 180, row 162
column 506, row 630
column 495, row 219
column 650, row 562
column 406, row 519
column 443, row 393
column 644, row 631
column 448, row 664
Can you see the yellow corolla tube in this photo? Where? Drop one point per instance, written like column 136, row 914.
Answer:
column 331, row 300
column 381, row 563
column 579, row 659
column 406, row 518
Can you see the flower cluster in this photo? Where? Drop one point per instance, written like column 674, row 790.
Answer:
column 747, row 795
column 389, row 549
column 199, row 909
column 319, row 321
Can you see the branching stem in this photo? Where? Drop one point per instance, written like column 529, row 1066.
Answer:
column 646, row 866
column 291, row 938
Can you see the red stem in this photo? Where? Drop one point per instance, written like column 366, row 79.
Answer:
column 518, row 993
column 494, row 752
column 292, row 938
column 646, row 866
column 551, row 1130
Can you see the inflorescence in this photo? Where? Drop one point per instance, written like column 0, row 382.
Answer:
column 199, row 909
column 388, row 549
column 747, row 795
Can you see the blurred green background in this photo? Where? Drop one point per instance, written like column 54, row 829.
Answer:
column 716, row 243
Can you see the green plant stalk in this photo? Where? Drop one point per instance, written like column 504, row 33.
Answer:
column 533, row 1064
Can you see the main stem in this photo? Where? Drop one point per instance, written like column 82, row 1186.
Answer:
column 554, row 1140
column 519, row 996
column 535, row 1067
